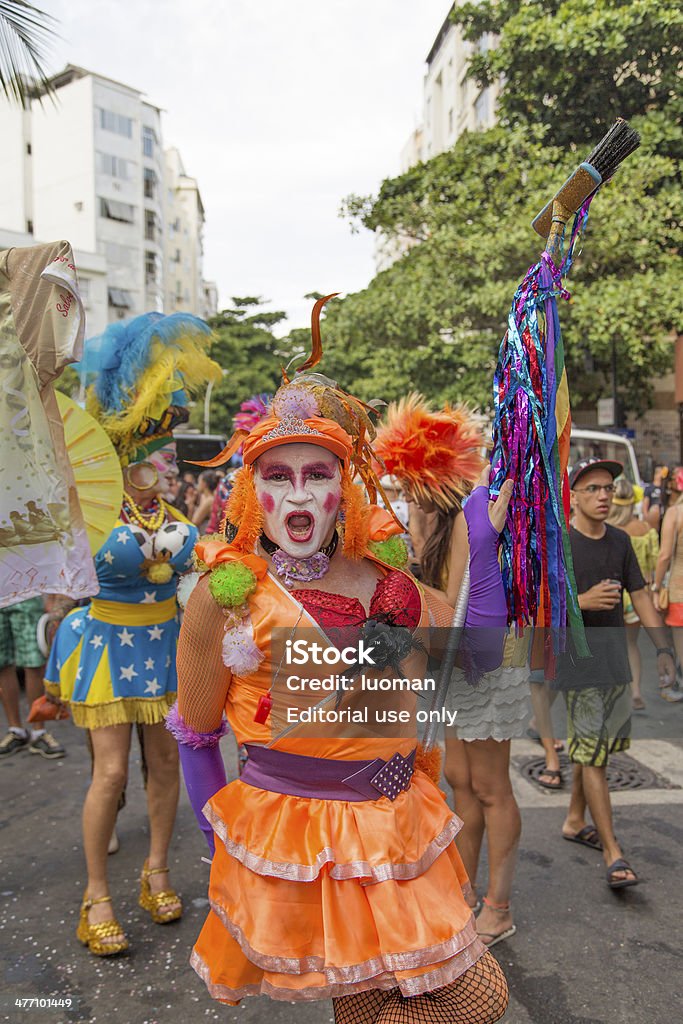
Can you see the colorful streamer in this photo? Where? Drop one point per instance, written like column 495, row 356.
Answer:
column 531, row 445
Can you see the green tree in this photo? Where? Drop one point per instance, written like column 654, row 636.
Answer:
column 25, row 32
column 576, row 65
column 250, row 356
column 434, row 319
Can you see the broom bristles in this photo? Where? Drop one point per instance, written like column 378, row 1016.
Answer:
column 619, row 142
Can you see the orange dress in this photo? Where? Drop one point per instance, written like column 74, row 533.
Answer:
column 314, row 898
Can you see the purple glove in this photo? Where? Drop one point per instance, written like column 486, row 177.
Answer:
column 202, row 765
column 486, row 621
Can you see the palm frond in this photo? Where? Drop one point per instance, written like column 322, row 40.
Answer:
column 25, row 32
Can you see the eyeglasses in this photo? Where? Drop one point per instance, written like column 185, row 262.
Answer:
column 596, row 488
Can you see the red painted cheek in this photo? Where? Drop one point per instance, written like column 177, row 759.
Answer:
column 267, row 502
column 331, row 501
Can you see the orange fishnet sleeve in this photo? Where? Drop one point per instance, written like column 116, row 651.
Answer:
column 440, row 612
column 203, row 679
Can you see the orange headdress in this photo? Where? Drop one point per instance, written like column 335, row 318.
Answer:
column 435, row 455
column 310, row 408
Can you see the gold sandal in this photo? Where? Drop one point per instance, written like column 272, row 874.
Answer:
column 155, row 902
column 94, row 935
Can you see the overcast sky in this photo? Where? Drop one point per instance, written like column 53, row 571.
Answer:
column 280, row 108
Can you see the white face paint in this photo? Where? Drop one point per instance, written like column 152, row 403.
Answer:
column 165, row 460
column 299, row 488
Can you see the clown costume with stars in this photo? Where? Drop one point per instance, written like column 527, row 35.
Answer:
column 334, row 870
column 113, row 661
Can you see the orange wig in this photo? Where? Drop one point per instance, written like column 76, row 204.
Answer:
column 435, row 455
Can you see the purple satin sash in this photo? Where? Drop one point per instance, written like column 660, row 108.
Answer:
column 322, row 778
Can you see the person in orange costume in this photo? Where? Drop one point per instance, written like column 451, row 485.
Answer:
column 335, row 873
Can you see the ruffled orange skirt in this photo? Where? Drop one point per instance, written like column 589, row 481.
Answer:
column 318, row 898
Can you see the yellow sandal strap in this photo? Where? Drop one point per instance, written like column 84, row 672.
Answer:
column 154, row 871
column 87, row 901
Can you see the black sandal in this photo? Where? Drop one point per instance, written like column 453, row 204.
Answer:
column 587, row 836
column 620, row 883
column 553, row 773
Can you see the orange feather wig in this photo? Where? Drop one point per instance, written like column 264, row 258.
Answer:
column 435, row 455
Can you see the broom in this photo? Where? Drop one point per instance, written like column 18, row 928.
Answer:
column 532, row 422
column 536, row 555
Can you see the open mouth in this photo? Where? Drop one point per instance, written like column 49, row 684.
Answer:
column 299, row 526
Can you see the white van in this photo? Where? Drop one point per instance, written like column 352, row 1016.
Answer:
column 588, row 444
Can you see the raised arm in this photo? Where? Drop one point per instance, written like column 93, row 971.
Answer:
column 667, row 544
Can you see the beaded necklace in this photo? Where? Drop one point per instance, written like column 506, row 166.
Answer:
column 300, row 570
column 151, row 520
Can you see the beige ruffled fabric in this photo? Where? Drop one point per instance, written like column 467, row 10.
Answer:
column 43, row 543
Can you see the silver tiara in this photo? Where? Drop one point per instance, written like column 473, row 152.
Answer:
column 289, row 425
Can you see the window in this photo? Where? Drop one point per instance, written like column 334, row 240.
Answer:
column 450, row 121
column 29, row 227
column 120, row 298
column 107, row 163
column 152, row 226
column 151, row 267
column 84, row 289
column 149, row 183
column 115, row 210
column 28, row 148
column 482, row 109
column 121, row 255
column 149, row 140
column 112, row 122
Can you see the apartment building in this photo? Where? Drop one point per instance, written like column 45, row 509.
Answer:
column 451, row 104
column 185, row 287
column 89, row 166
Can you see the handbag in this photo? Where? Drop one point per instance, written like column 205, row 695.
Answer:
column 45, row 710
column 663, row 595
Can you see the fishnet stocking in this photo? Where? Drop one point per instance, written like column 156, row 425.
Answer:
column 203, row 679
column 479, row 996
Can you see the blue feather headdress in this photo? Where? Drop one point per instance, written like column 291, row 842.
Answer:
column 140, row 372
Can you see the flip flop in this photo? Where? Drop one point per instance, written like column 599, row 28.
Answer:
column 587, row 836
column 638, row 704
column 495, row 938
column 620, row 883
column 553, row 773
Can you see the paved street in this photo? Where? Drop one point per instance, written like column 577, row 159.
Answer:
column 582, row 954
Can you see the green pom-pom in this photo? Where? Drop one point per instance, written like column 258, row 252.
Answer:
column 393, row 551
column 231, row 584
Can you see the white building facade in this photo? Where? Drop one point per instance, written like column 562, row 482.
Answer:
column 185, row 287
column 90, row 167
column 451, row 104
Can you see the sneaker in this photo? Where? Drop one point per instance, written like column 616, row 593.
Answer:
column 671, row 694
column 47, row 746
column 12, row 744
